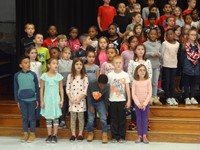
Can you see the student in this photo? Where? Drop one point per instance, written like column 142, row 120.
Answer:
column 141, row 92
column 54, row 52
column 51, row 99
column 179, row 17
column 124, row 44
column 167, row 12
column 93, row 32
column 152, row 10
column 43, row 52
column 195, row 19
column 173, row 3
column 129, row 8
column 170, row 22
column 136, row 19
column 120, row 100
column 191, row 6
column 138, row 32
column 51, row 41
column 191, row 66
column 97, row 99
column 146, row 10
column 27, row 41
column 77, row 84
column 26, row 93
column 64, row 68
column 62, row 41
column 187, row 19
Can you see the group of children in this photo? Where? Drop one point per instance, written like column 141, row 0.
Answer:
column 109, row 74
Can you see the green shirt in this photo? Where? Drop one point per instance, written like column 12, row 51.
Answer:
column 43, row 56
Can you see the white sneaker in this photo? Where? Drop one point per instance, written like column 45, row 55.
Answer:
column 169, row 102
column 187, row 101
column 174, row 101
column 193, row 101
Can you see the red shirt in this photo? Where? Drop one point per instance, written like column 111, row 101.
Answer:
column 106, row 14
column 48, row 43
column 162, row 21
column 187, row 11
column 74, row 44
column 146, row 22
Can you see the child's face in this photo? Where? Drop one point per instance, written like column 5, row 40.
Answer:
column 158, row 34
column 52, row 31
column 91, row 57
column 152, row 35
column 92, row 33
column 112, row 30
column 78, row 66
column 88, row 41
column 154, row 10
column 137, row 8
column 33, row 54
column 177, row 12
column 25, row 65
column 54, row 53
column 62, row 43
column 53, row 65
column 38, row 39
column 192, row 36
column 150, row 2
column 139, row 51
column 103, row 44
column 142, row 72
column 173, row 3
column 137, row 18
column 195, row 15
column 73, row 34
column 167, row 9
column 170, row 22
column 121, row 8
column 111, row 53
column 186, row 29
column 192, row 3
column 66, row 54
column 188, row 19
column 138, row 30
column 170, row 35
column 30, row 29
column 178, row 32
column 118, row 64
column 133, row 43
column 152, row 21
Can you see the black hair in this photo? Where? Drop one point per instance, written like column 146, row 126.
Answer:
column 152, row 15
column 94, row 27
column 131, row 38
column 152, row 6
column 90, row 49
column 22, row 58
column 56, row 48
column 103, row 79
column 113, row 24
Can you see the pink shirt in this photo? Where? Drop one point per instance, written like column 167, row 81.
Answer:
column 74, row 44
column 102, row 57
column 141, row 91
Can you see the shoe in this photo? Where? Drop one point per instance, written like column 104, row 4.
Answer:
column 72, row 139
column 156, row 101
column 122, row 141
column 104, row 137
column 132, row 126
column 160, row 91
column 114, row 141
column 48, row 139
column 62, row 125
column 80, row 138
column 54, row 139
column 145, row 140
column 187, row 101
column 24, row 137
column 90, row 136
column 174, row 101
column 151, row 101
column 138, row 140
column 193, row 101
column 31, row 137
column 169, row 102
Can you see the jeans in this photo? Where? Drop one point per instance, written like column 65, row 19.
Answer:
column 155, row 76
column 28, row 115
column 101, row 109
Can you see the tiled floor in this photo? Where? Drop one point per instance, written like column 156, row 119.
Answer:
column 13, row 143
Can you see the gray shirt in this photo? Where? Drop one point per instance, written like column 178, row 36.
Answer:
column 91, row 72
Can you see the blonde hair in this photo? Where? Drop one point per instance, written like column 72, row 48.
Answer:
column 61, row 36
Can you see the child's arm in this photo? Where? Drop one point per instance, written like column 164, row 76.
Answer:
column 36, row 89
column 149, row 68
column 135, row 98
column 98, row 21
column 97, row 73
column 149, row 87
column 68, row 88
column 102, row 71
column 61, row 93
column 16, row 87
column 42, row 93
column 128, row 104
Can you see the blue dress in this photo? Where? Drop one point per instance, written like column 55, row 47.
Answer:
column 52, row 109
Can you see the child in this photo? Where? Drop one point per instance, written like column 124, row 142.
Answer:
column 54, row 52
column 195, row 19
column 105, row 16
column 141, row 91
column 124, row 44
column 169, row 51
column 129, row 8
column 101, row 56
column 51, row 98
column 129, row 53
column 85, row 42
column 154, row 54
column 185, row 30
column 136, row 19
column 191, row 66
column 51, row 41
column 138, row 31
column 107, row 66
column 167, row 12
column 43, row 52
column 26, row 92
column 173, row 3
column 119, row 98
column 93, row 32
column 62, row 41
column 191, row 6
column 27, row 41
column 179, row 17
column 97, row 98
column 152, row 10
column 188, row 19
column 64, row 68
column 170, row 21
column 146, row 10
column 77, row 84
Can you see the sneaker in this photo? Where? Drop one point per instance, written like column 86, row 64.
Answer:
column 138, row 140
column 24, row 137
column 169, row 102
column 145, row 140
column 80, row 138
column 132, row 126
column 194, row 101
column 122, row 141
column 174, row 101
column 48, row 139
column 114, row 141
column 62, row 125
column 187, row 101
column 72, row 139
column 31, row 137
column 54, row 139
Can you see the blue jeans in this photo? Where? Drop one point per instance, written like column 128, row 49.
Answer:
column 28, row 115
column 101, row 109
column 155, row 76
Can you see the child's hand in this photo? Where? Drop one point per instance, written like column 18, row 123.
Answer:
column 18, row 105
column 92, row 109
column 61, row 104
column 42, row 105
column 144, row 106
column 36, row 104
column 140, row 106
column 128, row 105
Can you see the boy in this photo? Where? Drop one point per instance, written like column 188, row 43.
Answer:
column 43, row 52
column 97, row 99
column 85, row 41
column 167, row 12
column 152, row 9
column 93, row 32
column 191, row 6
column 62, row 41
column 27, row 41
column 26, row 93
column 119, row 90
column 173, row 4
column 136, row 19
column 51, row 41
column 146, row 10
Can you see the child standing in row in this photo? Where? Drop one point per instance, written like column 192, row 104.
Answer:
column 62, row 41
column 77, row 84
column 51, row 98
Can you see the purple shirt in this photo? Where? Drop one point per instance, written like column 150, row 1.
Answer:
column 127, row 56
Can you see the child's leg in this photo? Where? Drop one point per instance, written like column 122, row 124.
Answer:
column 114, row 120
column 144, row 120
column 172, row 81
column 155, row 76
column 101, row 109
column 81, row 122
column 32, row 115
column 65, row 107
column 49, row 126
column 24, row 111
column 90, row 122
column 73, row 123
column 121, row 120
column 55, row 126
column 139, row 120
column 167, row 81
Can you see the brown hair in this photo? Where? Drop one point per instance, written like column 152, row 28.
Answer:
column 83, row 72
column 136, row 76
column 49, row 62
column 61, row 36
column 193, row 29
column 135, row 55
column 29, row 24
column 66, row 48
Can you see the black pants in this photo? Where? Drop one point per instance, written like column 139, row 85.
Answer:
column 65, row 106
column 189, row 84
column 118, row 120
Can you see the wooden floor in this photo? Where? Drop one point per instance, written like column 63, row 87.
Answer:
column 168, row 124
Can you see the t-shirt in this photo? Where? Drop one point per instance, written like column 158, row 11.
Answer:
column 102, row 57
column 187, row 11
column 26, row 43
column 118, row 83
column 49, row 43
column 81, row 53
column 107, row 68
column 127, row 56
column 43, row 56
column 122, row 22
column 91, row 72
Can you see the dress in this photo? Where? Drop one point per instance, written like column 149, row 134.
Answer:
column 52, row 109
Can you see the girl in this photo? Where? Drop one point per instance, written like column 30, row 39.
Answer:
column 93, row 32
column 107, row 66
column 141, row 92
column 169, row 22
column 179, row 17
column 101, row 56
column 51, row 98
column 188, row 19
column 154, row 54
column 124, row 44
column 191, row 66
column 138, row 31
column 128, row 54
column 169, row 52
column 54, row 52
column 77, row 84
column 185, row 30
